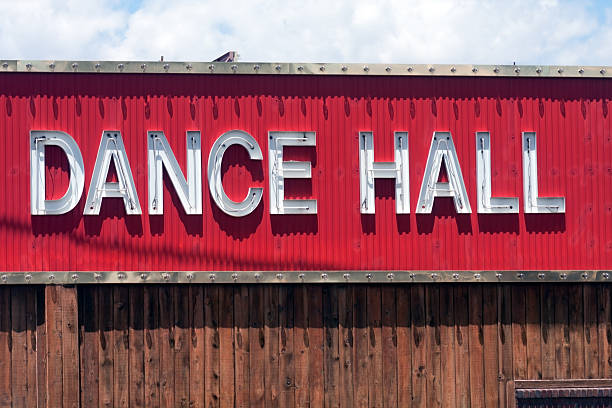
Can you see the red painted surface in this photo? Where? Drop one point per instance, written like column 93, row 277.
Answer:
column 571, row 118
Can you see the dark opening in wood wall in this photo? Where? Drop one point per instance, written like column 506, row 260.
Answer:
column 296, row 345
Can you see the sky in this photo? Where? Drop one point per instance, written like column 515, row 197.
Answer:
column 528, row 32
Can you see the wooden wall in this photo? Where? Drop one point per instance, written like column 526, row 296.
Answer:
column 296, row 345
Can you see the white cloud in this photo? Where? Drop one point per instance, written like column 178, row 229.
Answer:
column 394, row 31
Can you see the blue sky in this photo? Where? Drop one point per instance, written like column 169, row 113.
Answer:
column 542, row 32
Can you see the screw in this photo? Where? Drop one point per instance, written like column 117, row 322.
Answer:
column 235, row 276
column 453, row 69
column 256, row 67
column 585, row 275
column 190, row 276
column 475, row 69
column 455, row 276
column 605, row 275
column 520, row 275
column 560, row 70
column 390, row 276
column 431, row 69
column 97, row 276
column 143, row 66
column 563, row 276
column 301, row 276
column 120, row 67
column 75, row 65
column 581, row 71
column 143, row 276
column 29, row 66
column 5, row 65
column 166, row 276
column 602, row 71
column 412, row 275
column 279, row 276
column 388, row 69
column 346, row 276
column 234, row 67
column 257, row 276
column 75, row 277
column 541, row 275
column 300, row 68
column 211, row 67
column 188, row 67
column 344, row 68
column 52, row 66
column 97, row 66
column 496, row 70
column 324, row 276
column 28, row 277
column 434, row 276
column 322, row 68
column 278, row 67
column 212, row 277
column 4, row 278
column 539, row 70
column 51, row 277
column 409, row 69
column 369, row 276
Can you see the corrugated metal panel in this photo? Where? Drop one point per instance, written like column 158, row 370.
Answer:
column 570, row 116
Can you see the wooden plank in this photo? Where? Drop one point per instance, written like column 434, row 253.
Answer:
column 88, row 300
column 604, row 330
column 151, row 346
column 285, row 358
column 166, row 346
column 70, row 346
column 462, row 350
column 564, row 383
column 5, row 347
column 211, row 346
column 31, row 399
column 105, row 345
column 419, row 347
column 241, row 344
column 591, row 332
column 476, row 333
column 576, row 331
column 271, row 351
column 53, row 317
column 256, row 345
column 519, row 332
column 360, row 347
column 345, row 344
column 301, row 346
column 136, row 346
column 331, row 366
column 534, row 332
column 375, row 363
column 490, row 351
column 41, row 347
column 447, row 346
column 561, row 332
column 505, row 346
column 432, row 333
column 389, row 346
column 226, row 346
column 18, row 358
column 197, row 356
column 404, row 354
column 182, row 327
column 315, row 335
column 120, row 348
column 548, row 335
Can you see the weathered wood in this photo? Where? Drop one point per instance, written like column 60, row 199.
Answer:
column 30, row 373
column 389, row 346
column 587, row 324
column 419, row 347
column 196, row 341
column 547, row 329
column 519, row 332
column 182, row 341
column 301, row 346
column 345, row 344
column 462, row 346
column 5, row 347
column 476, row 340
column 447, row 346
column 212, row 368
column 577, row 350
column 166, row 346
column 404, row 350
column 136, row 347
column 561, row 336
column 41, row 347
column 88, row 301
column 18, row 358
column 534, row 332
column 331, row 366
column 151, row 346
column 490, row 346
column 241, row 345
column 285, row 344
column 433, row 350
column 504, row 318
column 271, row 349
column 227, row 346
column 360, row 367
column 121, row 346
column 315, row 335
column 53, row 309
column 375, row 361
column 256, row 346
column 604, row 330
column 105, row 346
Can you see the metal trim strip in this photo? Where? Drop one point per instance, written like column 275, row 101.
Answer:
column 114, row 277
column 284, row 68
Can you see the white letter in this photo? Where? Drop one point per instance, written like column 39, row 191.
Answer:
column 486, row 203
column 533, row 203
column 443, row 148
column 38, row 140
column 215, row 184
column 161, row 156
column 280, row 170
column 111, row 148
column 369, row 170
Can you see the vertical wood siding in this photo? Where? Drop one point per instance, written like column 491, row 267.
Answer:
column 296, row 345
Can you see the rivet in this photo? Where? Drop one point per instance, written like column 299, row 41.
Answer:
column 143, row 66
column 28, row 277
column 52, row 66
column 541, row 275
column 455, row 276
column 344, row 68
column 166, row 66
column 256, row 67
column 520, row 275
column 477, row 276
column 301, row 276
column 390, row 276
column 51, row 277
column 279, row 276
column 560, row 70
column 539, row 70
column 369, row 276
column 474, row 69
column 212, row 277
column 188, row 67
column 143, row 276
column 409, row 69
column 190, row 276
column 211, row 67
column 300, row 68
column 602, row 71
column 75, row 65
column 257, row 276
column 581, row 71
column 605, row 275
column 234, row 67
column 412, row 276
column 97, row 276
column 75, row 277
column 28, row 66
column 322, row 68
column 324, row 276
column 5, row 65
column 346, row 276
column 235, row 276
column 278, row 67
column 434, row 276
column 98, row 65
column 165, row 276
column 499, row 275
column 496, row 70
column 585, row 275
column 563, row 276
column 4, row 278
column 120, row 66
column 453, row 69
column 431, row 69
column 388, row 69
